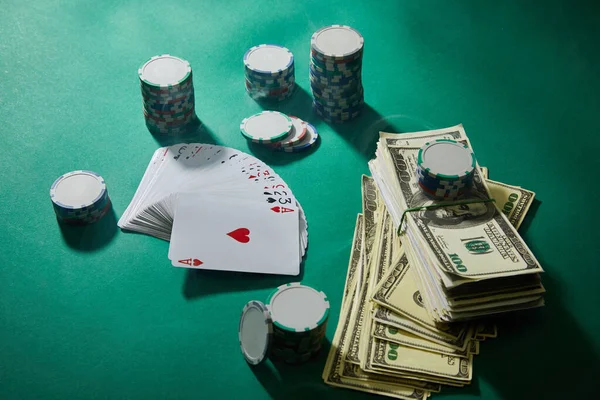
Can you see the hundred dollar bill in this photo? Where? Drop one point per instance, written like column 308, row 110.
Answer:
column 383, row 251
column 522, row 304
column 355, row 254
column 496, row 303
column 379, row 263
column 395, row 293
column 361, row 325
column 334, row 367
column 390, row 318
column 420, row 138
column 388, row 355
column 400, row 336
column 399, row 293
column 370, row 198
column 513, row 201
column 467, row 242
column 473, row 241
column 355, row 372
column 360, row 322
column 495, row 295
column 341, row 374
column 370, row 204
column 406, row 139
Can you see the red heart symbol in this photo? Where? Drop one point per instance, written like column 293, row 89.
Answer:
column 242, row 235
column 197, row 262
column 277, row 209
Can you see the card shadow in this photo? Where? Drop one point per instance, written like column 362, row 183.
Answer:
column 90, row 237
column 201, row 283
column 286, row 381
column 198, row 133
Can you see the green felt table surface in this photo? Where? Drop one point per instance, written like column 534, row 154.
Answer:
column 101, row 314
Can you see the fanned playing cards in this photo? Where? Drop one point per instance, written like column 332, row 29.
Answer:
column 221, row 209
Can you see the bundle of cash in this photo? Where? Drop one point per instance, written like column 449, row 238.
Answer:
column 398, row 333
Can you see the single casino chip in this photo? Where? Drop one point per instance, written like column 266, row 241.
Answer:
column 266, row 127
column 446, row 159
column 255, row 332
column 165, row 71
column 310, row 139
column 77, row 190
column 445, row 169
column 79, row 196
column 337, row 42
column 298, row 308
column 296, row 135
column 269, row 59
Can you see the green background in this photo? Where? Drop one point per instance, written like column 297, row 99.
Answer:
column 101, row 314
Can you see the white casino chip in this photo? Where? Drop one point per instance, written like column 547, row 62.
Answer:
column 446, row 158
column 266, row 127
column 309, row 140
column 165, row 71
column 296, row 135
column 77, row 189
column 337, row 41
column 255, row 332
column 298, row 308
column 268, row 58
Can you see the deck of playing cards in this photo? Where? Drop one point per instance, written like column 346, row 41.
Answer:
column 221, row 209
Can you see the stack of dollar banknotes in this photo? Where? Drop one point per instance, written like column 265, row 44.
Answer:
column 416, row 294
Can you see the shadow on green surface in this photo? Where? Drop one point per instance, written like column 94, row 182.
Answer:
column 533, row 208
column 199, row 133
column 93, row 236
column 541, row 353
column 363, row 131
column 285, row 381
column 298, row 105
column 200, row 283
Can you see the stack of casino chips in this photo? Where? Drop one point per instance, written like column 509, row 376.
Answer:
column 269, row 71
column 167, row 94
column 79, row 197
column 299, row 314
column 279, row 131
column 336, row 73
column 445, row 169
column 290, row 328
